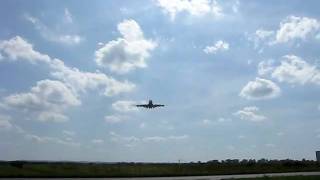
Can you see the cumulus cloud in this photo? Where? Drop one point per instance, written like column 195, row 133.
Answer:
column 52, row 116
column 270, row 145
column 68, row 133
column 112, row 119
column 280, row 133
column 218, row 46
column 294, row 69
column 50, row 35
column 260, row 89
column 193, row 7
column 250, row 113
column 162, row 138
column 265, row 67
column 97, row 141
column 124, row 106
column 68, row 16
column 46, row 139
column 68, row 39
column 291, row 28
column 80, row 81
column 125, row 140
column 47, row 100
column 17, row 48
column 294, row 27
column 132, row 140
column 263, row 34
column 142, row 125
column 235, row 6
column 261, row 37
column 5, row 122
column 207, row 122
column 127, row 53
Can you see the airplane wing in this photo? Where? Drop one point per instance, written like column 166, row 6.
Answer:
column 142, row 105
column 158, row 105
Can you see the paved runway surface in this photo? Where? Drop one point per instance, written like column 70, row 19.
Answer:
column 199, row 177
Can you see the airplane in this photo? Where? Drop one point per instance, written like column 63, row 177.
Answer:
column 150, row 105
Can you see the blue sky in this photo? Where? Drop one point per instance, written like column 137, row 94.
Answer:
column 240, row 79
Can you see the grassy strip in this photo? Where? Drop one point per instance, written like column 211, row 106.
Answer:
column 60, row 169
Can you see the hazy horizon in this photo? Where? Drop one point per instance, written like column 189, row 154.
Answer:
column 240, row 80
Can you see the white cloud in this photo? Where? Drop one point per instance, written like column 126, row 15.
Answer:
column 231, row 147
column 5, row 122
column 166, row 125
column 263, row 34
column 47, row 100
column 294, row 27
column 207, row 122
column 112, row 119
column 291, row 28
column 235, row 6
column 260, row 89
column 224, row 120
column 47, row 93
column 81, row 81
column 218, row 46
column 142, row 125
column 154, row 139
column 250, row 114
column 69, row 39
column 178, row 138
column 126, row 140
column 45, row 139
column 162, row 138
column 69, row 133
column 132, row 140
column 295, row 70
column 127, row 53
column 67, row 16
column 97, row 141
column 193, row 7
column 265, row 67
column 261, row 37
column 52, row 116
column 125, row 106
column 17, row 48
column 270, row 145
column 50, row 35
column 280, row 133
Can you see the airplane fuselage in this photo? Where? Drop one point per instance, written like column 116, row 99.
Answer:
column 150, row 105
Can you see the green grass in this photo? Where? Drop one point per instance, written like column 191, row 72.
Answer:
column 28, row 169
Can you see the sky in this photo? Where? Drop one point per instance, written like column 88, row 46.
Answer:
column 240, row 79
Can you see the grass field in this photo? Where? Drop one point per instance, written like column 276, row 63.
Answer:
column 72, row 169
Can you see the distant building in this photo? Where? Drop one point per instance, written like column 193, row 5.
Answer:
column 318, row 155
